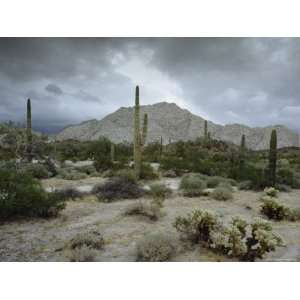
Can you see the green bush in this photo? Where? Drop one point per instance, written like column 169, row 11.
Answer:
column 226, row 185
column 21, row 195
column 159, row 190
column 118, row 188
column 127, row 174
column 88, row 170
column 38, row 171
column 155, row 248
column 222, row 194
column 213, row 181
column 198, row 226
column 147, row 172
column 245, row 185
column 192, row 185
column 70, row 174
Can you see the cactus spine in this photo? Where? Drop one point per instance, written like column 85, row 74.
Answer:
column 29, row 132
column 205, row 130
column 273, row 157
column 139, row 137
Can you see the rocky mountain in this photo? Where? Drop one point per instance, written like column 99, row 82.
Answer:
column 174, row 123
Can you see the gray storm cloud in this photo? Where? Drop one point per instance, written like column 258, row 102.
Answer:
column 228, row 80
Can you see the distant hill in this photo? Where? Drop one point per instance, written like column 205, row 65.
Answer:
column 172, row 122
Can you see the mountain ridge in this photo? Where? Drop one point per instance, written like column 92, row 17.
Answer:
column 173, row 122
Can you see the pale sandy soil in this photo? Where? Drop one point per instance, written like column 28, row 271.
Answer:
column 42, row 240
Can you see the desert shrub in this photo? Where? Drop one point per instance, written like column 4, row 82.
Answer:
column 21, row 195
column 294, row 214
column 159, row 191
column 70, row 193
column 70, row 174
column 176, row 164
column 273, row 210
column 270, row 191
column 127, row 174
column 226, row 185
column 118, row 188
column 91, row 239
column 38, row 171
column 155, row 248
column 81, row 254
column 192, row 185
column 245, row 185
column 222, row 194
column 213, row 181
column 285, row 176
column 148, row 210
column 147, row 172
column 198, row 226
column 283, row 188
column 88, row 170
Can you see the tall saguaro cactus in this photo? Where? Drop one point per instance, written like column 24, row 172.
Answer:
column 205, row 129
column 139, row 137
column 29, row 132
column 243, row 143
column 112, row 152
column 273, row 157
column 242, row 156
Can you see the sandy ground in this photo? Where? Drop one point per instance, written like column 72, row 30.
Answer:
column 43, row 240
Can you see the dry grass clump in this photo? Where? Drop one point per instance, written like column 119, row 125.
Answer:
column 82, row 254
column 155, row 248
column 84, row 246
column 222, row 194
column 91, row 239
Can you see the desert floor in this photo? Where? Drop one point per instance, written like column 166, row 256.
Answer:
column 43, row 240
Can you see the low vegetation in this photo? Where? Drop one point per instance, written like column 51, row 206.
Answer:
column 222, row 193
column 238, row 240
column 23, row 196
column 155, row 248
column 118, row 188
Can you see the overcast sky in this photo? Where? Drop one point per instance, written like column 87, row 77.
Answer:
column 226, row 80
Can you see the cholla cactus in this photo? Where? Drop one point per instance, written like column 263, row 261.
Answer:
column 273, row 157
column 243, row 142
column 139, row 138
column 29, row 132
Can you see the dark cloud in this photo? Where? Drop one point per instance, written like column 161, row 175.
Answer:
column 228, row 80
column 54, row 89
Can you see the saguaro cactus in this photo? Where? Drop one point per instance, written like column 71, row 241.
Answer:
column 112, row 152
column 243, row 143
column 205, row 129
column 29, row 132
column 242, row 156
column 273, row 157
column 161, row 146
column 139, row 137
